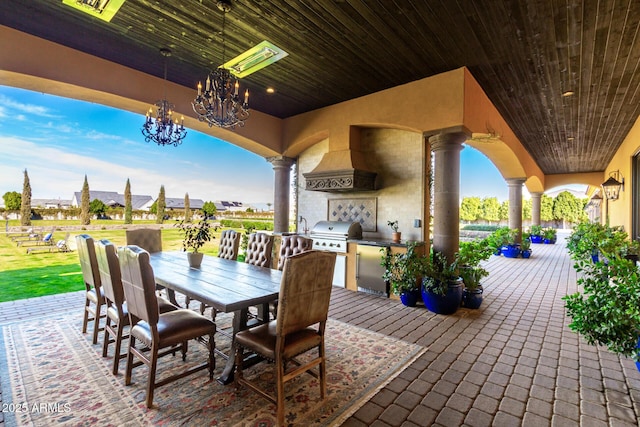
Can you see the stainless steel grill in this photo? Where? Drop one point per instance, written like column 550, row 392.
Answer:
column 332, row 236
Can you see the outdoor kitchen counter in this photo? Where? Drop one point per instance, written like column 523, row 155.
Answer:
column 383, row 242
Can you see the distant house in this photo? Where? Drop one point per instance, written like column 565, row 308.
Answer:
column 226, row 206
column 173, row 203
column 50, row 203
column 113, row 199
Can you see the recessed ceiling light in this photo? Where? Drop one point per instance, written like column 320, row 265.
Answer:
column 101, row 9
column 271, row 90
column 568, row 93
column 570, row 138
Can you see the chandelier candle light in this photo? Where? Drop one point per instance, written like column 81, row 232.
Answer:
column 219, row 104
column 163, row 129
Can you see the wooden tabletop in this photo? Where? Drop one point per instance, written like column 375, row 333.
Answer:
column 226, row 285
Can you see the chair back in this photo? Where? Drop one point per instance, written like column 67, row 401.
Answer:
column 110, row 275
column 229, row 243
column 293, row 245
column 149, row 239
column 259, row 249
column 305, row 291
column 88, row 262
column 139, row 284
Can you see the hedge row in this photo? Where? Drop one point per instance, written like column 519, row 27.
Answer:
column 480, row 227
column 257, row 225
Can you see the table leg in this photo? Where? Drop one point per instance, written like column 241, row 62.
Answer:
column 239, row 323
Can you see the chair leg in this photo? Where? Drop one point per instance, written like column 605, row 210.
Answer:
column 323, row 371
column 239, row 358
column 85, row 318
column 212, row 358
column 151, row 382
column 96, row 324
column 117, row 356
column 107, row 335
column 279, row 367
column 129, row 368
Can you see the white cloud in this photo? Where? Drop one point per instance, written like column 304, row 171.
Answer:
column 30, row 109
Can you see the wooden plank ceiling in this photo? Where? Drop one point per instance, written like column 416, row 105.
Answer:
column 525, row 54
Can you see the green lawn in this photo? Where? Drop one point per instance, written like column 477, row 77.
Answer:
column 25, row 275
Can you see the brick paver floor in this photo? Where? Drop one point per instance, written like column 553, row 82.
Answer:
column 513, row 362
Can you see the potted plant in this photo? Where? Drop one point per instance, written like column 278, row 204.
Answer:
column 468, row 260
column 525, row 245
column 441, row 285
column 499, row 238
column 395, row 235
column 549, row 235
column 506, row 238
column 607, row 310
column 195, row 235
column 401, row 271
column 536, row 234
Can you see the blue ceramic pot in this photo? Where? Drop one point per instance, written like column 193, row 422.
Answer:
column 536, row 239
column 444, row 304
column 511, row 251
column 410, row 298
column 472, row 298
column 526, row 254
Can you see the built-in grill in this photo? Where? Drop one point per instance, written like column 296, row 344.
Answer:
column 332, row 236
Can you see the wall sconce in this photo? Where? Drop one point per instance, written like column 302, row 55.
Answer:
column 613, row 185
column 595, row 201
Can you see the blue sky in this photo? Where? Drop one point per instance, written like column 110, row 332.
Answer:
column 59, row 140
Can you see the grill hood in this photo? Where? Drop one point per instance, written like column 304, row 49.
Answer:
column 341, row 171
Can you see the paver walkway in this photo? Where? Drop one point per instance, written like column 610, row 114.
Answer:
column 513, row 362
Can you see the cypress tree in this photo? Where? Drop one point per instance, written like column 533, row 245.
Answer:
column 187, row 208
column 127, row 204
column 85, row 216
column 160, row 206
column 25, row 204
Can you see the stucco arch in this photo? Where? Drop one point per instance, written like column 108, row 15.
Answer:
column 73, row 74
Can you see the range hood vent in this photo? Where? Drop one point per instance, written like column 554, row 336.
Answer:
column 341, row 171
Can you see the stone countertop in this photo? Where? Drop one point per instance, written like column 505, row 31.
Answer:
column 381, row 242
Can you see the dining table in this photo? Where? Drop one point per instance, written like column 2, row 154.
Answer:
column 227, row 286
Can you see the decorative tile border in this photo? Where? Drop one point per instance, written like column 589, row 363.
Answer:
column 363, row 211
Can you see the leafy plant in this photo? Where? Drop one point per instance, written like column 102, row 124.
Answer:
column 438, row 273
column 393, row 225
column 503, row 236
column 401, row 269
column 468, row 261
column 607, row 312
column 525, row 244
column 588, row 239
column 536, row 230
column 195, row 235
column 549, row 233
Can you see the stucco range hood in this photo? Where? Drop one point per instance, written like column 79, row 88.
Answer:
column 341, row 171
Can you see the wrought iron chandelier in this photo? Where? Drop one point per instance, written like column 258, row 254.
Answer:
column 219, row 104
column 163, row 129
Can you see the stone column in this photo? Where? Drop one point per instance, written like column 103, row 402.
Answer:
column 282, row 183
column 515, row 205
column 446, row 192
column 536, row 200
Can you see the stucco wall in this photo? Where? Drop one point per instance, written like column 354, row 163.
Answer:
column 398, row 158
column 620, row 210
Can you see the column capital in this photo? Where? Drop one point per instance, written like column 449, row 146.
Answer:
column 515, row 181
column 447, row 141
column 536, row 194
column 281, row 161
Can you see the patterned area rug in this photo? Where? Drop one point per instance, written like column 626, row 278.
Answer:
column 52, row 374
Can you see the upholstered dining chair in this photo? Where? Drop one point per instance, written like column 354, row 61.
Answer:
column 94, row 297
column 293, row 245
column 157, row 331
column 150, row 239
column 259, row 249
column 304, row 296
column 117, row 316
column 229, row 244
